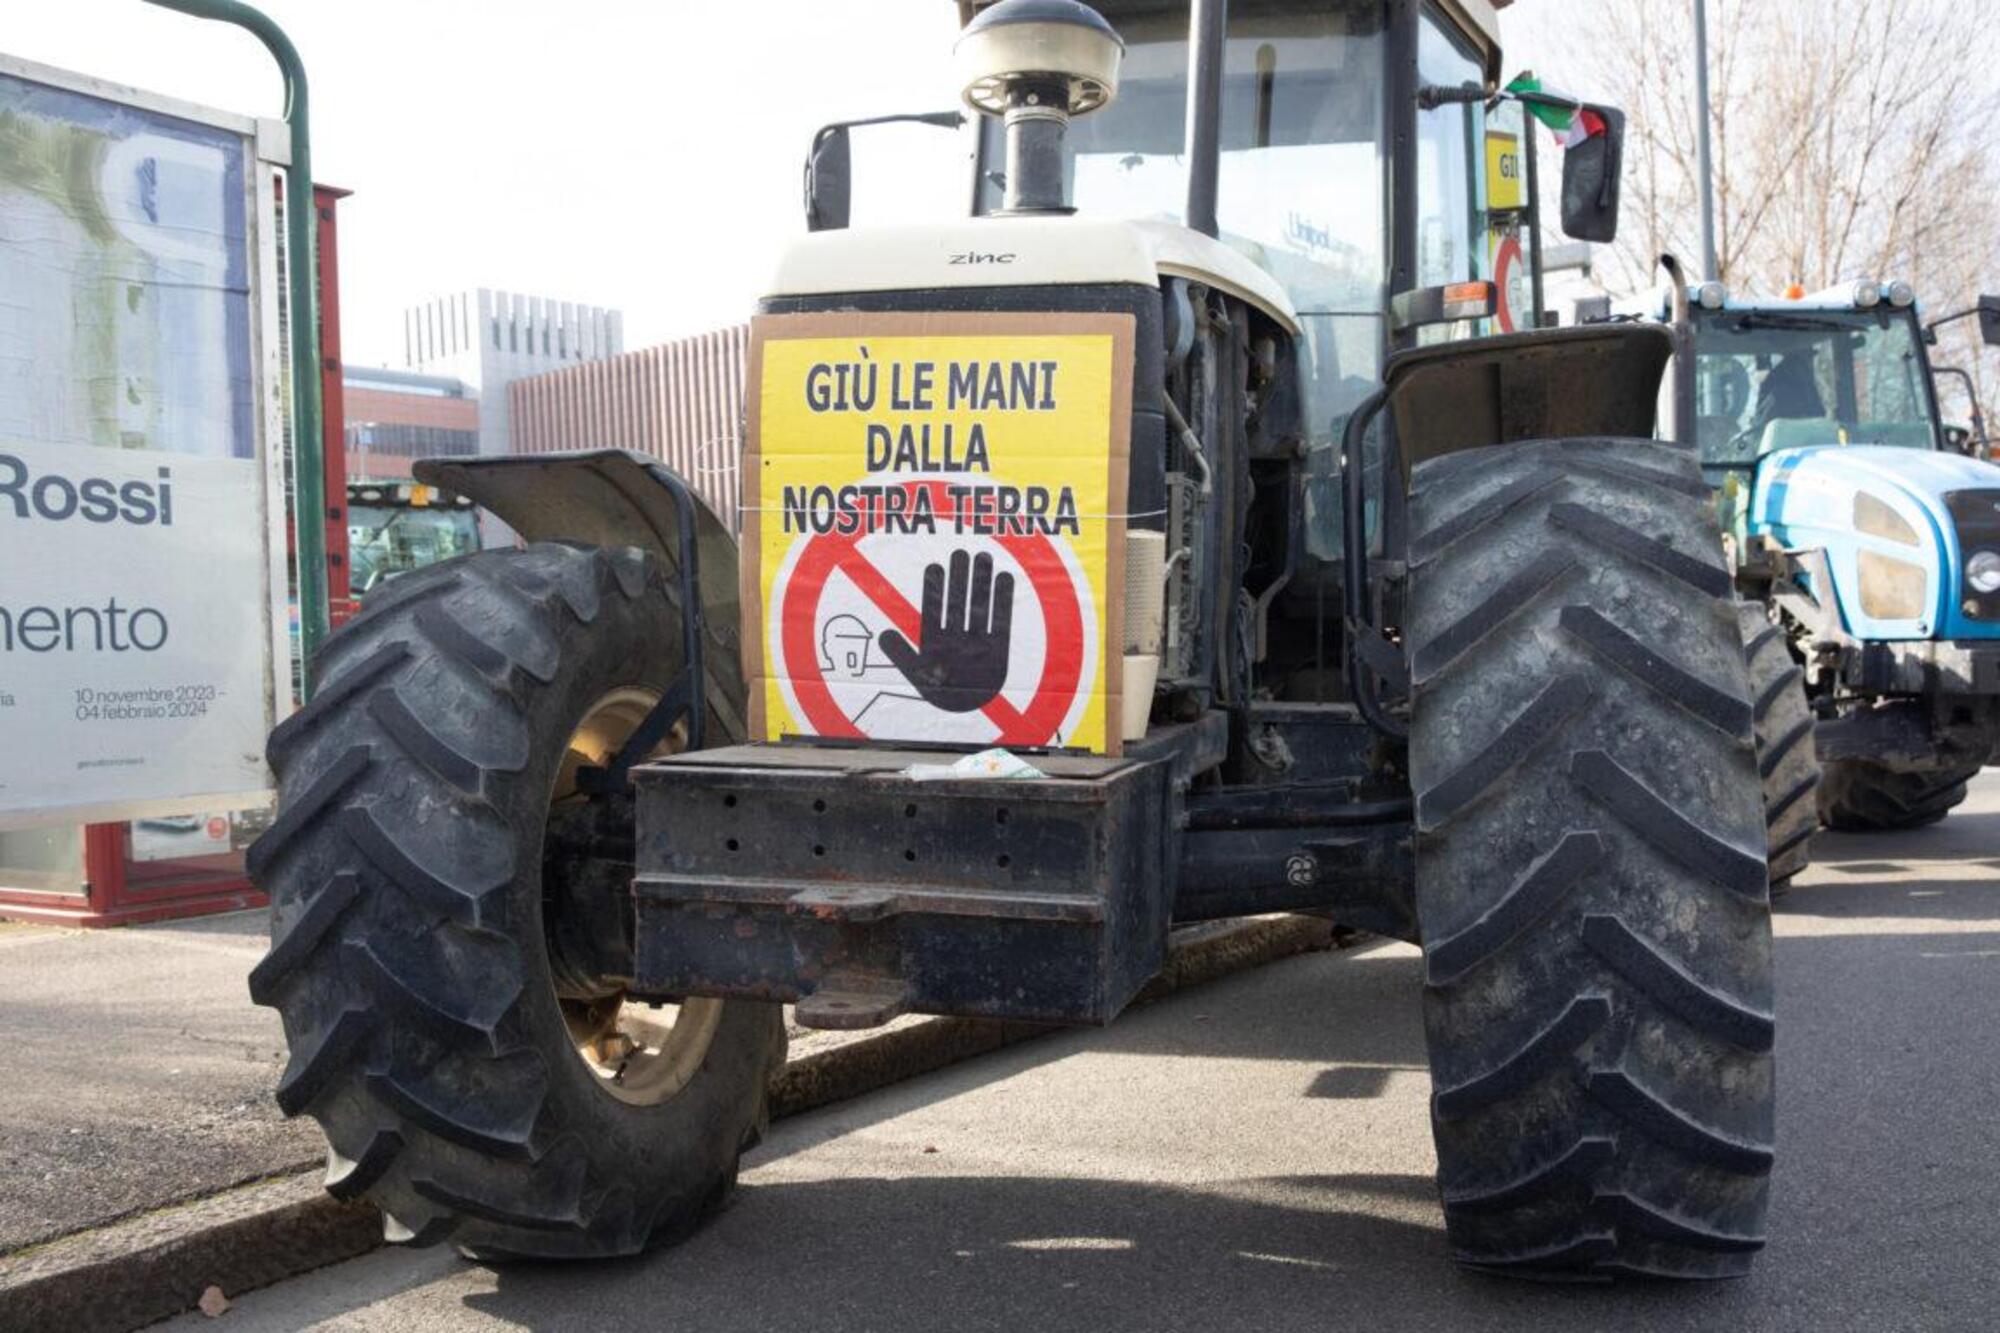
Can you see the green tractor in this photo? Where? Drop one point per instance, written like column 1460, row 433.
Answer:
column 1167, row 540
column 395, row 527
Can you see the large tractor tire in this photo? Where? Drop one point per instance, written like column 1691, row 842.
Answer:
column 1590, row 865
column 1785, row 756
column 469, row 1080
column 1860, row 797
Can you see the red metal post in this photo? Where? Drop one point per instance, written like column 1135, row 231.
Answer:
column 333, row 413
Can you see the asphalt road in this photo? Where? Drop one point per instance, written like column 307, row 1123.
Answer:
column 1255, row 1155
column 134, row 1071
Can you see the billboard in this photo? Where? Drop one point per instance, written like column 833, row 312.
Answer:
column 139, row 587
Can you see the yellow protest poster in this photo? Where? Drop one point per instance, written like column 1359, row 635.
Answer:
column 934, row 527
column 1506, row 186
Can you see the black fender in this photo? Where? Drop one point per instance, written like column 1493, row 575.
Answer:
column 614, row 498
column 1552, row 384
column 1600, row 380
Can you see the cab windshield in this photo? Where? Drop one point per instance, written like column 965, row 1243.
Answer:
column 1299, row 187
column 1782, row 378
column 1300, row 179
column 1301, row 129
column 387, row 540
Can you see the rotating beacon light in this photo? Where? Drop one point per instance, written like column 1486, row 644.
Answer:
column 1036, row 63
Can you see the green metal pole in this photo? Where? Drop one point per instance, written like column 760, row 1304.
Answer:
column 308, row 462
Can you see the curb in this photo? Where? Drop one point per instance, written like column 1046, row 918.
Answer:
column 131, row 1273
column 149, row 1267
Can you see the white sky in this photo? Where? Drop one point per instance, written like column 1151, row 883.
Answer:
column 641, row 154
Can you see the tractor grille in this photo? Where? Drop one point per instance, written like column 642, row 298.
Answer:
column 1976, row 515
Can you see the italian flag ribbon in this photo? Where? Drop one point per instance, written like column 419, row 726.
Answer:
column 1571, row 127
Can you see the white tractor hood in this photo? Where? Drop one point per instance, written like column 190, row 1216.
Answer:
column 1020, row 252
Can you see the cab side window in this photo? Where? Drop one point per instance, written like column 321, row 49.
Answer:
column 1451, row 212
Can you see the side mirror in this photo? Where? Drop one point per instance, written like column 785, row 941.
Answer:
column 1592, row 170
column 1989, row 320
column 829, row 180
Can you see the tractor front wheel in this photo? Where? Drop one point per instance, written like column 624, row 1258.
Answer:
column 1590, row 864
column 1860, row 797
column 472, row 1079
column 1785, row 757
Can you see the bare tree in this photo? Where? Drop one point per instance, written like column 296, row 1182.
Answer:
column 1850, row 140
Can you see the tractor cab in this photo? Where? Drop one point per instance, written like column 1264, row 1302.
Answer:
column 1844, row 367
column 1351, row 170
column 1348, row 178
column 394, row 527
column 1319, row 120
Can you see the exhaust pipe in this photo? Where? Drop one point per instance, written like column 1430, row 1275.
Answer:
column 1207, row 23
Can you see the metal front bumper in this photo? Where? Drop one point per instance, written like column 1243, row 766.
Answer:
column 824, row 877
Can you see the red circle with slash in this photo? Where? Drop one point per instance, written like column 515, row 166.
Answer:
column 1049, row 579
column 1505, row 260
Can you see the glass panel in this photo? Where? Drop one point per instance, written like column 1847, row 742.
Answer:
column 1300, row 176
column 49, row 859
column 1451, row 210
column 1890, row 393
column 1341, row 358
column 1299, row 189
column 1776, row 378
column 387, row 540
column 1300, row 192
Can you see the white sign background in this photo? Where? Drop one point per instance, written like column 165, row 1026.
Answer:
column 131, row 655
column 871, row 692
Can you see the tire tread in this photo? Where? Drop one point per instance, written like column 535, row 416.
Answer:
column 398, row 954
column 1582, row 750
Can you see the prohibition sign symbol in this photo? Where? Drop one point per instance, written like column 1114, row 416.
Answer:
column 1504, row 262
column 1048, row 579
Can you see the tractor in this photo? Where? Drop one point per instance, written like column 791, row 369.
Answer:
column 394, row 527
column 1865, row 534
column 1171, row 538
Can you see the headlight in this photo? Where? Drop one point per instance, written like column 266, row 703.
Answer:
column 1982, row 572
column 1711, row 296
column 1866, row 294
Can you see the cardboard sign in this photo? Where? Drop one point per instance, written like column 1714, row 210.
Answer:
column 934, row 527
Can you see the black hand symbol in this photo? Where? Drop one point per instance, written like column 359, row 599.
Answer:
column 963, row 662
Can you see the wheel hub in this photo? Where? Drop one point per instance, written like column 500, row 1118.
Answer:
column 641, row 1053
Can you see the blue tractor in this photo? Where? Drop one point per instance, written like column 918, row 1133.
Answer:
column 1865, row 535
